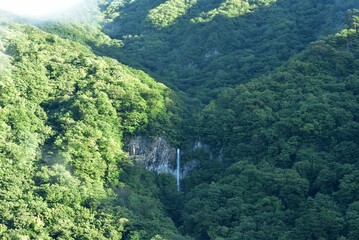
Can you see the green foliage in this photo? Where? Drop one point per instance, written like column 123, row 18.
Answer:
column 288, row 152
column 64, row 113
column 205, row 47
column 280, row 127
column 166, row 13
column 232, row 8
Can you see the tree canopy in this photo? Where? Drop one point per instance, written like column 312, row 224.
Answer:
column 260, row 95
column 64, row 114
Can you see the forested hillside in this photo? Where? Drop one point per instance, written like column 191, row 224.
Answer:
column 289, row 152
column 261, row 96
column 64, row 114
column 202, row 46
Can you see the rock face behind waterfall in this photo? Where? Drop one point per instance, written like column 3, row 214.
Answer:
column 154, row 154
column 157, row 155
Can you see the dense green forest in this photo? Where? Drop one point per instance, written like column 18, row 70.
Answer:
column 217, row 44
column 260, row 95
column 289, row 152
column 64, row 115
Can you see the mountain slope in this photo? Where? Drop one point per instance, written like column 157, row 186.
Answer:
column 64, row 114
column 288, row 152
column 273, row 155
column 212, row 45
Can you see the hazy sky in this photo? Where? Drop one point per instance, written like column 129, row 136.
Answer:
column 38, row 8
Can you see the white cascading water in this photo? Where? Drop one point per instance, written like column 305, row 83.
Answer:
column 178, row 169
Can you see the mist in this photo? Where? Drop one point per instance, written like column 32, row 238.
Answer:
column 43, row 10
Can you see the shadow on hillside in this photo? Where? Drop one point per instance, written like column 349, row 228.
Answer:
column 203, row 58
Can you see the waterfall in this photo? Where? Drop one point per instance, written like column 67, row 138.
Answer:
column 178, row 169
column 133, row 149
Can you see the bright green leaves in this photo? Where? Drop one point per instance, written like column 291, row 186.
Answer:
column 90, row 102
column 64, row 114
column 232, row 8
column 165, row 14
